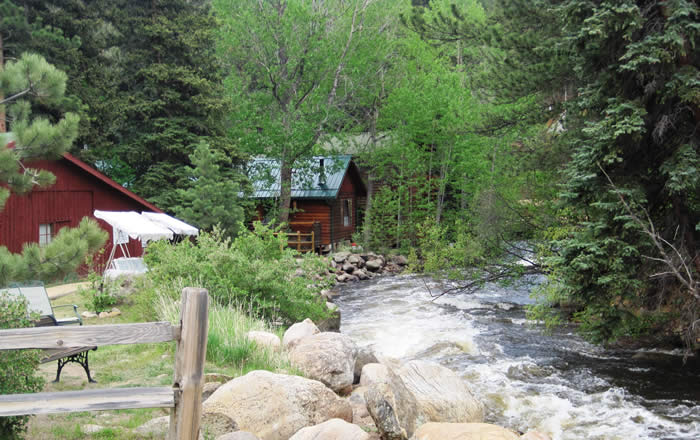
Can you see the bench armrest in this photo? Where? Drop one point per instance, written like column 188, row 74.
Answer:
column 75, row 310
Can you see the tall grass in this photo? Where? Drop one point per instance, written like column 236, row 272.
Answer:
column 227, row 344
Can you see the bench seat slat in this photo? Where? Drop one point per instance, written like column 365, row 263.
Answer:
column 99, row 335
column 88, row 400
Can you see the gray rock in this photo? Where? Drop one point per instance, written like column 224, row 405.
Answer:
column 91, row 429
column 393, row 408
column 399, row 260
column 275, row 406
column 463, row 431
column 349, row 268
column 328, row 358
column 374, row 373
column 209, row 388
column 264, row 339
column 340, row 257
column 361, row 274
column 374, row 265
column 356, row 260
column 299, row 331
column 332, row 323
column 364, row 356
column 334, row 429
column 238, row 435
column 441, row 395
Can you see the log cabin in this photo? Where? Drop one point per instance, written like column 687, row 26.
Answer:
column 325, row 196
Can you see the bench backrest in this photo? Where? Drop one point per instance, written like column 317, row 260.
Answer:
column 37, row 298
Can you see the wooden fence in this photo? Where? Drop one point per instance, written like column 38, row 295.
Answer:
column 305, row 242
column 184, row 397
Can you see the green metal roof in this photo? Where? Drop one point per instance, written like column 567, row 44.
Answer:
column 310, row 179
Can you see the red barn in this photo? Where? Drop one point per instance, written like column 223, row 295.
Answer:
column 325, row 191
column 79, row 190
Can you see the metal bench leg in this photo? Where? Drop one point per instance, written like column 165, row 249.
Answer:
column 80, row 358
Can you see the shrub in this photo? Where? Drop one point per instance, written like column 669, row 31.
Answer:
column 17, row 367
column 255, row 268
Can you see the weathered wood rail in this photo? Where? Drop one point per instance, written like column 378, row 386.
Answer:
column 184, row 397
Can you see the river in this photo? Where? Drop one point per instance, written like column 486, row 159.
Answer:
column 556, row 383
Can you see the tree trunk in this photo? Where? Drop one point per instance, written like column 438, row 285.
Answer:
column 285, row 190
column 367, row 227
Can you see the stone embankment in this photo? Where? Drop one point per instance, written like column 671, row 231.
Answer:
column 349, row 267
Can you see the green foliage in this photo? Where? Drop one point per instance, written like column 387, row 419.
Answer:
column 17, row 367
column 443, row 253
column 254, row 269
column 101, row 295
column 62, row 255
column 214, row 195
column 23, row 82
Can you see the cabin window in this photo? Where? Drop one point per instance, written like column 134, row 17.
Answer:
column 46, row 233
column 347, row 212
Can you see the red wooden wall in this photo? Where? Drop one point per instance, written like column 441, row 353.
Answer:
column 76, row 194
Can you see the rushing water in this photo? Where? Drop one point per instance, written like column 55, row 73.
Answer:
column 556, row 383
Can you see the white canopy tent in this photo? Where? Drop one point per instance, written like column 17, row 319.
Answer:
column 146, row 227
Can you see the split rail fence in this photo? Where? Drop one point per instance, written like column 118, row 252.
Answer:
column 184, row 397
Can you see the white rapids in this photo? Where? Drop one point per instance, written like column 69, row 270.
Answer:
column 557, row 383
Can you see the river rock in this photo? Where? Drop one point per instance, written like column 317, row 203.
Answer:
column 332, row 323
column 399, row 260
column 326, row 357
column 340, row 257
column 334, row 429
column 535, row 435
column 238, row 435
column 209, row 388
column 364, row 356
column 356, row 260
column 299, row 331
column 463, row 431
column 264, row 339
column 374, row 373
column 213, row 424
column 441, row 394
column 361, row 274
column 275, row 406
column 392, row 267
column 393, row 408
column 374, row 265
column 360, row 415
column 349, row 268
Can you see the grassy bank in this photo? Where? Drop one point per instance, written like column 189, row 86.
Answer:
column 228, row 353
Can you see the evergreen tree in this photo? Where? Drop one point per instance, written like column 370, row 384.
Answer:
column 31, row 78
column 634, row 177
column 214, row 197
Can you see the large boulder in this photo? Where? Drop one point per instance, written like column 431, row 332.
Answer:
column 399, row 260
column 213, row 424
column 334, row 429
column 393, row 408
column 356, row 260
column 374, row 373
column 326, row 357
column 340, row 257
column 238, row 435
column 299, row 331
column 264, row 339
column 535, row 435
column 275, row 406
column 463, row 431
column 360, row 415
column 374, row 265
column 364, row 356
column 441, row 394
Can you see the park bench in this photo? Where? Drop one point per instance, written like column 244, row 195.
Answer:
column 38, row 302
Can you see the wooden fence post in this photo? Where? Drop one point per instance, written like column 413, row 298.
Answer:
column 298, row 241
column 189, row 365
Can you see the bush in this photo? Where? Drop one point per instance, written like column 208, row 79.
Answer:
column 254, row 269
column 17, row 367
column 101, row 295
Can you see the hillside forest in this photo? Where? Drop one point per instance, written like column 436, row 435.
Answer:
column 561, row 131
